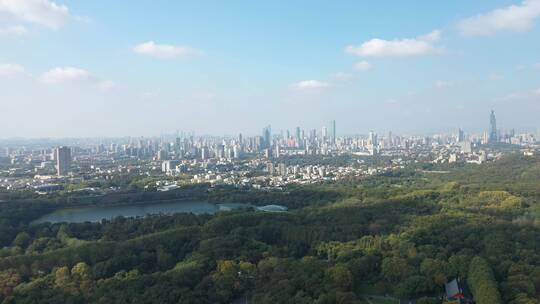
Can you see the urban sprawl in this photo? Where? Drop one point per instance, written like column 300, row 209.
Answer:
column 267, row 161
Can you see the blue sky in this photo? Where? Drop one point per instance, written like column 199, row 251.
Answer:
column 108, row 68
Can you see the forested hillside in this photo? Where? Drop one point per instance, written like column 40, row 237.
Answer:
column 395, row 236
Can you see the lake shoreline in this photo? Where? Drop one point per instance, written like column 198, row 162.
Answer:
column 89, row 213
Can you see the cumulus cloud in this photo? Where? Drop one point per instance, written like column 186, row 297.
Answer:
column 422, row 45
column 41, row 12
column 164, row 51
column 10, row 70
column 78, row 76
column 67, row 74
column 434, row 36
column 514, row 18
column 362, row 66
column 307, row 85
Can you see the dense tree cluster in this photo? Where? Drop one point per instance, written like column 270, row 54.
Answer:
column 393, row 236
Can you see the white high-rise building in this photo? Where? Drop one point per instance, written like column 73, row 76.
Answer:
column 236, row 151
column 324, row 133
column 169, row 165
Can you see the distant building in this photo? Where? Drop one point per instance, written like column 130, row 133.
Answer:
column 299, row 135
column 493, row 136
column 461, row 135
column 372, row 139
column 63, row 160
column 282, row 168
column 204, row 153
column 46, row 188
column 373, row 143
column 456, row 293
column 236, row 152
column 267, row 136
column 453, row 291
column 162, row 155
column 333, row 131
column 322, row 172
column 483, row 156
column 466, row 146
column 270, row 168
column 390, row 139
column 169, row 165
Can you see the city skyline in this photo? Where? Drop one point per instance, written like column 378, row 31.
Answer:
column 71, row 69
column 329, row 131
column 270, row 152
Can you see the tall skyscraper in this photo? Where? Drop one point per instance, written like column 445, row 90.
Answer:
column 461, row 135
column 372, row 139
column 324, row 133
column 204, row 153
column 267, row 137
column 333, row 131
column 493, row 137
column 63, row 160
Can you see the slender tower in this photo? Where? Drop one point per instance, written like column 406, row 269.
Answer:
column 333, row 131
column 493, row 137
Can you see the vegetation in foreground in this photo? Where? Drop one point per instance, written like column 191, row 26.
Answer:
column 403, row 235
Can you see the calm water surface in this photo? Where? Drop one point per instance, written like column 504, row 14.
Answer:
column 96, row 214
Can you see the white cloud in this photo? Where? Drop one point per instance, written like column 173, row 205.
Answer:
column 434, row 36
column 307, row 85
column 76, row 76
column 10, row 70
column 537, row 92
column 164, row 51
column 362, row 66
column 537, row 66
column 514, row 18
column 441, row 84
column 41, row 12
column 422, row 45
column 15, row 30
column 67, row 74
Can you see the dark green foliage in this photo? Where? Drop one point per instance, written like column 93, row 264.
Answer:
column 403, row 234
column 482, row 282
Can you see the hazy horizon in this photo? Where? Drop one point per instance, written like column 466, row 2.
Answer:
column 82, row 69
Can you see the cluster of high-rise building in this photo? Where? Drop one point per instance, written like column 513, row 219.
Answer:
column 210, row 156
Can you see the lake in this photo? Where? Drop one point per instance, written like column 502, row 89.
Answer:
column 97, row 213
